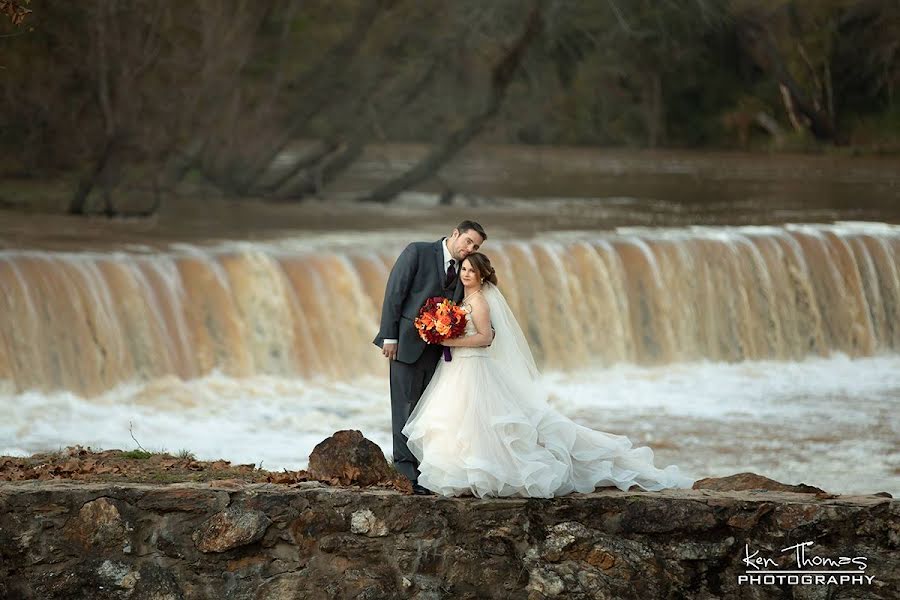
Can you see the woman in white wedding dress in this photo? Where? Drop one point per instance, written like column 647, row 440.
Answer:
column 483, row 425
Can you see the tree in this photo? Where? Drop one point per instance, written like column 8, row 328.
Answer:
column 502, row 74
column 278, row 99
column 827, row 57
column 385, row 65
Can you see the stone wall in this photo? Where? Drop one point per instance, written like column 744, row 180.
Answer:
column 227, row 540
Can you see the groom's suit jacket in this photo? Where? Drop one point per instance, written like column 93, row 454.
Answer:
column 417, row 276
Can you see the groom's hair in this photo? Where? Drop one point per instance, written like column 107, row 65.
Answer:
column 467, row 225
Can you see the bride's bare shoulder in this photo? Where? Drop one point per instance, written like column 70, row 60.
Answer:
column 479, row 303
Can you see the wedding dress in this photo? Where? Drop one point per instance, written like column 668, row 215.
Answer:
column 483, row 426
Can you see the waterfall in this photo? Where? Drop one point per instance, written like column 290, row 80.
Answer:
column 86, row 321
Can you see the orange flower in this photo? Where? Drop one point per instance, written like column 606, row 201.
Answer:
column 440, row 319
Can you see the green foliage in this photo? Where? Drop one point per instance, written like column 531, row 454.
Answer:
column 137, row 454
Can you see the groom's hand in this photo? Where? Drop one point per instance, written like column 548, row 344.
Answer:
column 389, row 350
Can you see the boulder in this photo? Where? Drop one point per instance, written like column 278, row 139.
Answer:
column 231, row 528
column 741, row 482
column 348, row 458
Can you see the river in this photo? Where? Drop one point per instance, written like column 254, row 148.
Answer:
column 733, row 312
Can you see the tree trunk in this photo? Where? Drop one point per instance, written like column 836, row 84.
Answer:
column 654, row 110
column 328, row 164
column 788, row 100
column 329, row 70
column 771, row 126
column 501, row 76
column 78, row 203
column 820, row 123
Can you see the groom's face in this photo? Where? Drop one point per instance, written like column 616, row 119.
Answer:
column 464, row 243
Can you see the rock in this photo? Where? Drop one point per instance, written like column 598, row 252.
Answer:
column 748, row 520
column 546, row 583
column 366, row 523
column 183, row 498
column 793, row 516
column 157, row 583
column 98, row 523
column 600, row 558
column 118, row 574
column 348, row 458
column 562, row 536
column 292, row 543
column 653, row 515
column 231, row 528
column 751, row 481
column 693, row 550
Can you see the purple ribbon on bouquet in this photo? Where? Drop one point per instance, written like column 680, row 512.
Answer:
column 447, row 356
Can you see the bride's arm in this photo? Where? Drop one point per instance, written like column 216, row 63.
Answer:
column 481, row 316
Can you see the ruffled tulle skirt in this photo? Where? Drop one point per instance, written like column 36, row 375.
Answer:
column 477, row 431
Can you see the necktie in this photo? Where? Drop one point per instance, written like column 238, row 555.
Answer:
column 451, row 276
column 451, row 273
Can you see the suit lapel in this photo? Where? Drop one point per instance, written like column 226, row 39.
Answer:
column 439, row 257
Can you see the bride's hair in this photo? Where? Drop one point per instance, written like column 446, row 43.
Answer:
column 482, row 264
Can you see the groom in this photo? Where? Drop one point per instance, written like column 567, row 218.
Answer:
column 422, row 271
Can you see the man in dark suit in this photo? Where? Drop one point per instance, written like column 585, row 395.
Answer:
column 423, row 270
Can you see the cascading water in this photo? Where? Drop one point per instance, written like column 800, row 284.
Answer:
column 86, row 322
column 259, row 350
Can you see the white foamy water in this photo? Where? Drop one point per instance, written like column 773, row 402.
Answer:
column 829, row 422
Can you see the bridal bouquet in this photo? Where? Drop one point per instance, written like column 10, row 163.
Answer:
column 440, row 319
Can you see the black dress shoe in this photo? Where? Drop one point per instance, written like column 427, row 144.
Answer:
column 419, row 490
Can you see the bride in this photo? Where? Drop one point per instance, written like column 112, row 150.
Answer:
column 484, row 427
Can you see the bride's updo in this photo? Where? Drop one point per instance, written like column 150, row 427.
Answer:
column 482, row 264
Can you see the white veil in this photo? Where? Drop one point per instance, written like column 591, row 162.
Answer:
column 509, row 347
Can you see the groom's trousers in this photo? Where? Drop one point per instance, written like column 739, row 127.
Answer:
column 408, row 381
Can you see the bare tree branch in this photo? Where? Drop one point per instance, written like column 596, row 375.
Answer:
column 321, row 82
column 501, row 76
